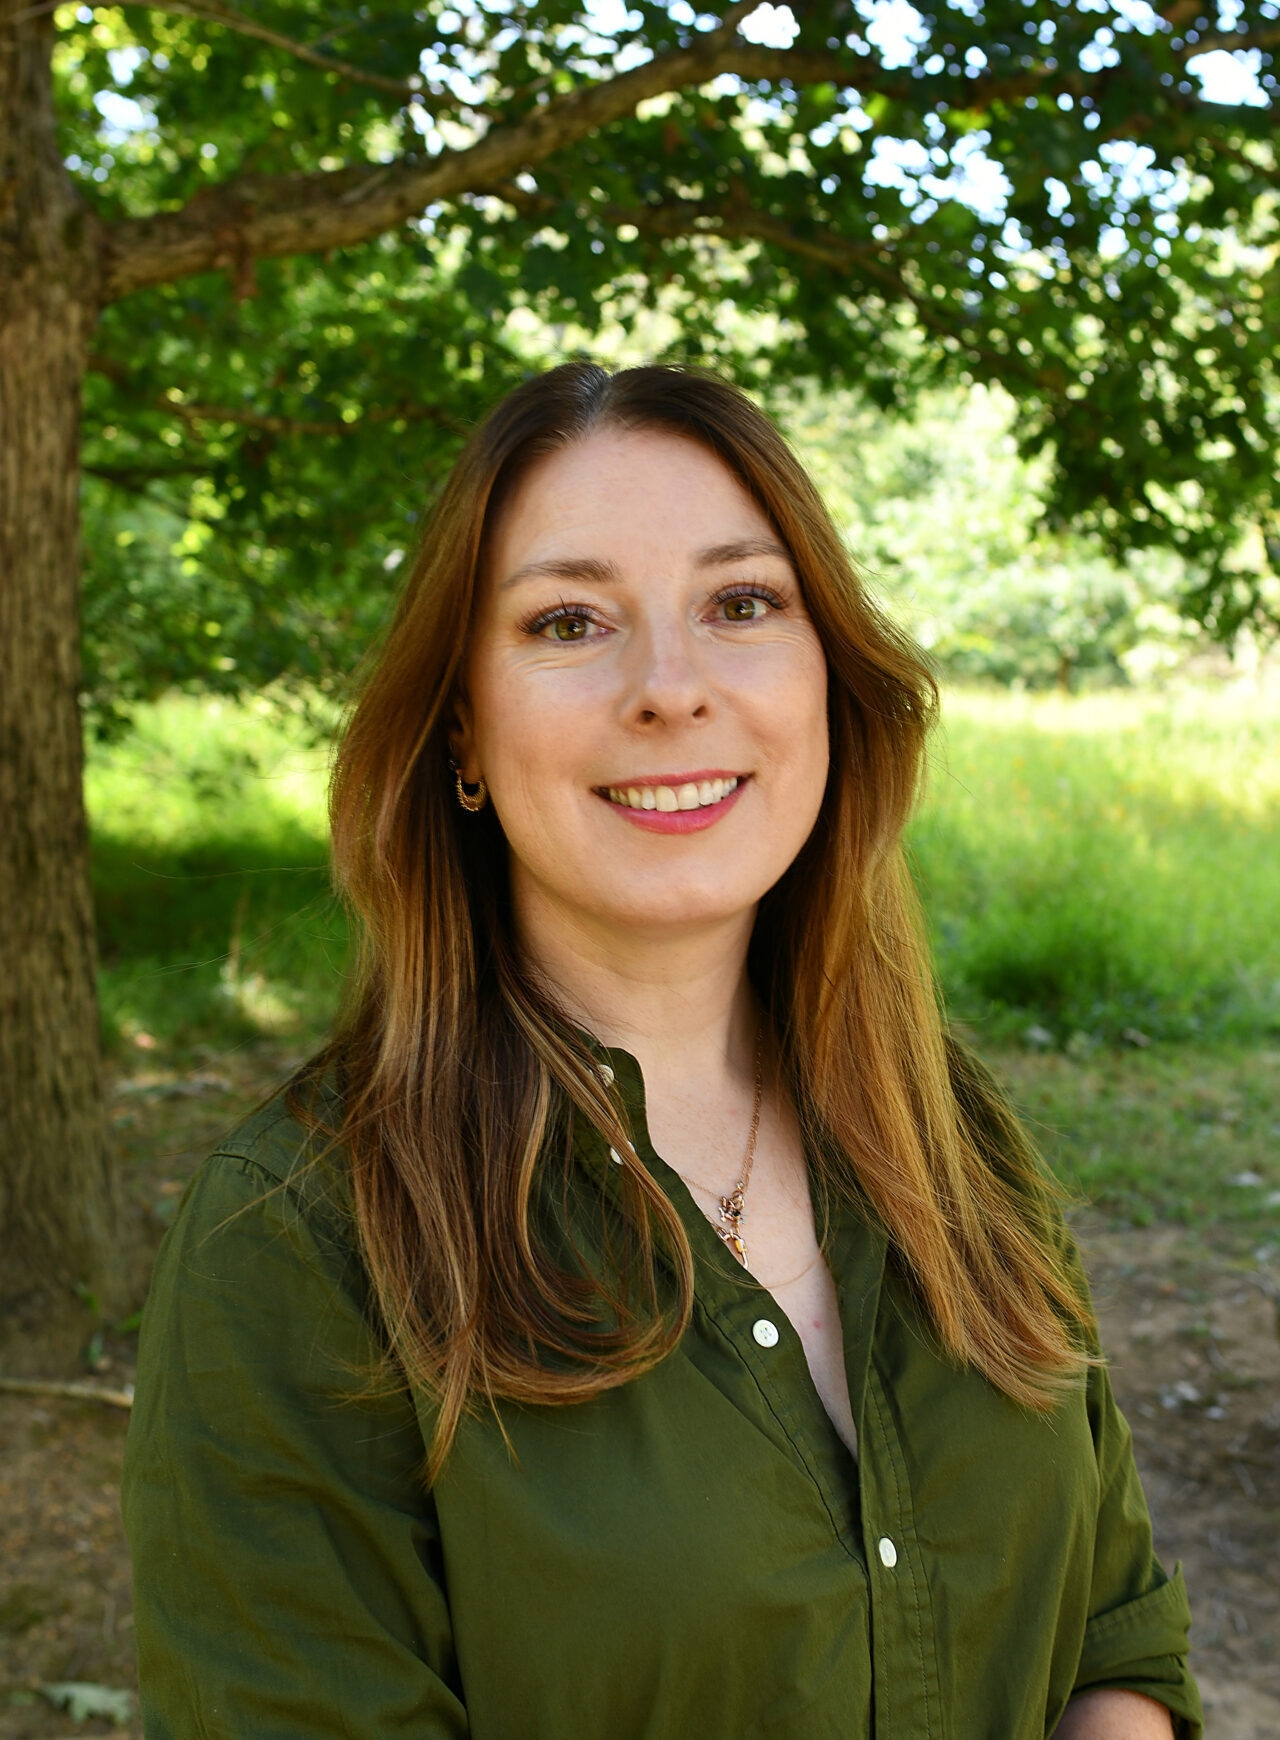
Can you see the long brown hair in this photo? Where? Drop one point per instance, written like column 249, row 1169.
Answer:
column 454, row 1066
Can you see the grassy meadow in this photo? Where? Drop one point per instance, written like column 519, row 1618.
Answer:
column 1107, row 863
column 216, row 923
column 1101, row 874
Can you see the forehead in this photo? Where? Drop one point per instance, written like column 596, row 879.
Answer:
column 624, row 491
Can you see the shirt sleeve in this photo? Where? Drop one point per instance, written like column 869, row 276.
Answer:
column 1136, row 1636
column 286, row 1557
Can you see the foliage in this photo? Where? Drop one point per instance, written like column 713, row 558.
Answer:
column 879, row 196
column 947, row 520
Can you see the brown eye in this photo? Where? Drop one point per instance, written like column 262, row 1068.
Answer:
column 744, row 609
column 568, row 627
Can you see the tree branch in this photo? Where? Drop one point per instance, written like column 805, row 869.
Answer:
column 264, row 216
column 136, row 478
column 215, row 12
column 274, row 425
column 73, row 1392
column 258, row 217
column 837, row 253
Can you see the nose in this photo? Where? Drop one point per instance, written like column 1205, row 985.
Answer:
column 667, row 679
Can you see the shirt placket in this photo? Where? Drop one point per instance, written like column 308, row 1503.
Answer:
column 881, row 1537
column 734, row 1307
column 905, row 1680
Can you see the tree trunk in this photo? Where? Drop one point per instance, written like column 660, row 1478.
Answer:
column 58, row 1209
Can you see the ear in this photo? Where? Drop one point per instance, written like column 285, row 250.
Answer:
column 461, row 733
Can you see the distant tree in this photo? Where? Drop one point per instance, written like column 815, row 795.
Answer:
column 947, row 519
column 274, row 256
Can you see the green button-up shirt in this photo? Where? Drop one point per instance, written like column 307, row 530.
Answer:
column 693, row 1556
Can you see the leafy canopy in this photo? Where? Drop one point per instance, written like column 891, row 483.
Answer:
column 337, row 233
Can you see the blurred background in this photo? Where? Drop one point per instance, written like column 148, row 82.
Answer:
column 1008, row 278
column 1099, row 855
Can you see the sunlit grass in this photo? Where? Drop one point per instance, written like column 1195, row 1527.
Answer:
column 1108, row 863
column 215, row 920
column 1091, row 867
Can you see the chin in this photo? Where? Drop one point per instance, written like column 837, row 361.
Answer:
column 677, row 908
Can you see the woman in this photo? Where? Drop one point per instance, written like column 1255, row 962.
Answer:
column 462, row 1411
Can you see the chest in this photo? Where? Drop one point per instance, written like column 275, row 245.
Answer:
column 692, row 1553
column 784, row 1255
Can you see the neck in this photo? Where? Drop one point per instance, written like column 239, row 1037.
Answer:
column 677, row 998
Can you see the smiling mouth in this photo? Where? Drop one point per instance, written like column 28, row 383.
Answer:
column 692, row 795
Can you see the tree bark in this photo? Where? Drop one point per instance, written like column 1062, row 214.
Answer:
column 58, row 1209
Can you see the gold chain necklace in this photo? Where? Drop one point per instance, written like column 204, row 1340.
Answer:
column 730, row 1209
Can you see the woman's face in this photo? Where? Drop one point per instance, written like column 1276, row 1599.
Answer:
column 644, row 693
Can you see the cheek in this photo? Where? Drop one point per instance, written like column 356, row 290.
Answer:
column 800, row 714
column 531, row 722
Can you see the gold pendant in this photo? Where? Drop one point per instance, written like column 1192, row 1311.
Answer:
column 731, row 1211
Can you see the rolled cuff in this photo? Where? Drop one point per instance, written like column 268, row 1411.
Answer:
column 1142, row 1647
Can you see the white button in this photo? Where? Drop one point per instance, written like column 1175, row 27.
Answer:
column 615, row 1156
column 888, row 1553
column 606, row 1074
column 766, row 1333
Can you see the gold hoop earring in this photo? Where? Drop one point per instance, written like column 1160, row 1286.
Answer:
column 471, row 801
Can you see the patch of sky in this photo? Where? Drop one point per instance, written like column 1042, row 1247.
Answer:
column 855, row 116
column 1127, row 14
column 973, row 180
column 1228, row 76
column 1124, row 173
column 681, row 13
column 1012, row 240
column 463, row 75
column 611, row 17
column 895, row 28
column 1101, row 51
column 1231, row 76
column 123, row 116
column 775, row 26
column 124, row 62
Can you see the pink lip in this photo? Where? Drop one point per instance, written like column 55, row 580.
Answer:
column 681, row 821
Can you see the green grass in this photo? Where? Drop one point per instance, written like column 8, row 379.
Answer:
column 1091, row 867
column 215, row 919
column 1107, row 863
column 1188, row 1134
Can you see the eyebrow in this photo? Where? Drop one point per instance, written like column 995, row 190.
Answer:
column 718, row 554
column 564, row 568
column 604, row 573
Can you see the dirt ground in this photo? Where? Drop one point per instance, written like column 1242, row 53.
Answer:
column 1193, row 1332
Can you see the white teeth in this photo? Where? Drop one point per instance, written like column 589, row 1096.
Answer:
column 668, row 798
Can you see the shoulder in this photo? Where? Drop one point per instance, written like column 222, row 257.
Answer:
column 278, row 1170
column 279, row 1138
